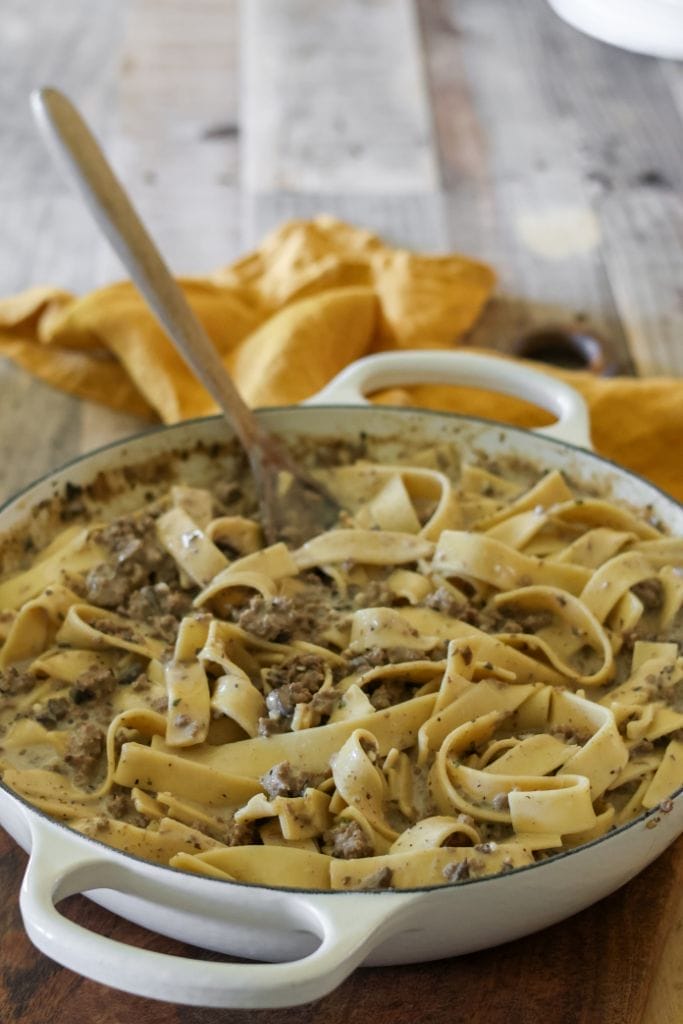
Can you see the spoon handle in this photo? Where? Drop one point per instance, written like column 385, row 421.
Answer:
column 67, row 133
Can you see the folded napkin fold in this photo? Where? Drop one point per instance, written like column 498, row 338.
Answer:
column 285, row 319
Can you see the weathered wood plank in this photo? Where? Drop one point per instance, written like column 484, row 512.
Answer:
column 673, row 75
column 629, row 109
column 517, row 193
column 57, row 44
column 541, row 156
column 334, row 99
column 643, row 245
column 175, row 132
column 341, row 129
column 622, row 103
column 174, row 138
column 665, row 999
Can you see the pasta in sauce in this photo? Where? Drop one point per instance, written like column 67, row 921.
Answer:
column 465, row 677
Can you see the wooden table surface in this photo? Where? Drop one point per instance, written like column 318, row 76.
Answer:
column 479, row 125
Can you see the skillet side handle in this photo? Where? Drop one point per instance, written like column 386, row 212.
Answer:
column 349, row 927
column 432, row 366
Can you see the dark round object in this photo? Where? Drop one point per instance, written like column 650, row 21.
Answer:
column 565, row 347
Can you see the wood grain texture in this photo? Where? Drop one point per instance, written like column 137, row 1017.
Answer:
column 673, row 74
column 175, row 135
column 81, row 58
column 334, row 99
column 517, row 191
column 643, row 247
column 594, row 967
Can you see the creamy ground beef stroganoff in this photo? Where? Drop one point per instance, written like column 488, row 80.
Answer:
column 467, row 675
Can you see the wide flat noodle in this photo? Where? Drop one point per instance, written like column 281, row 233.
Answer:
column 581, row 629
column 367, row 547
column 550, row 490
column 36, row 625
column 158, row 845
column 187, row 687
column 489, row 561
column 155, row 770
column 313, row 748
column 407, row 499
column 89, row 627
column 73, row 550
column 299, row 817
column 263, row 865
column 260, row 570
column 192, row 549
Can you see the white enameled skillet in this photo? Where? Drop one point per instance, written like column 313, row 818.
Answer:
column 312, row 940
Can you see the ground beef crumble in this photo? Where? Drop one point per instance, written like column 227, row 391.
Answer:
column 93, row 684
column 463, row 870
column 157, row 600
column 13, row 682
column 120, row 805
column 390, row 692
column 296, row 681
column 52, row 711
column 140, row 581
column 374, row 657
column 380, row 879
column 283, row 780
column 239, row 833
column 106, row 586
column 136, row 554
column 281, row 619
column 84, row 749
column 347, row 841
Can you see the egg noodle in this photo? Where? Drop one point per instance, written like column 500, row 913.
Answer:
column 465, row 677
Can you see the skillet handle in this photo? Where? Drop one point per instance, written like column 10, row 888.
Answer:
column 349, row 926
column 435, row 366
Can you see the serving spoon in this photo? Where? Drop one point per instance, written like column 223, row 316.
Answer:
column 293, row 505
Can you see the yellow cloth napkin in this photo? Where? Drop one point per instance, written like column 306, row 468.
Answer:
column 286, row 318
